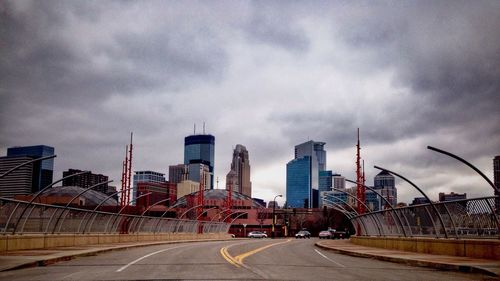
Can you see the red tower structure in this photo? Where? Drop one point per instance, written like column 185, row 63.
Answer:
column 201, row 194
column 360, row 179
column 126, row 174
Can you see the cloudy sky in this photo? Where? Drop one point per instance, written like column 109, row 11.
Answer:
column 81, row 75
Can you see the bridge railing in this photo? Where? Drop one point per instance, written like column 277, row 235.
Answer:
column 466, row 218
column 46, row 219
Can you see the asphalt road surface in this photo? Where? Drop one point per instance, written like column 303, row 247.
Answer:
column 259, row 259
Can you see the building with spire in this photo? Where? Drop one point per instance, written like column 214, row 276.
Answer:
column 200, row 149
column 239, row 175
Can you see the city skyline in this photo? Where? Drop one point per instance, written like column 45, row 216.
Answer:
column 81, row 76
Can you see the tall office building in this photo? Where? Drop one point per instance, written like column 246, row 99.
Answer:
column 239, row 175
column 18, row 182
column 384, row 183
column 200, row 149
column 302, row 175
column 85, row 180
column 325, row 180
column 200, row 173
column 43, row 171
column 496, row 181
column 177, row 173
column 338, row 181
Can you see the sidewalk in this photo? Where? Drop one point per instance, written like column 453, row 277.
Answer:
column 29, row 258
column 463, row 264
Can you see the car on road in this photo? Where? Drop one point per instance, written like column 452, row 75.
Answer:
column 257, row 234
column 325, row 234
column 303, row 234
column 339, row 235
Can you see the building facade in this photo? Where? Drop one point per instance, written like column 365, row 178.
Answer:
column 298, row 183
column 20, row 181
column 200, row 149
column 178, row 173
column 451, row 196
column 145, row 177
column 43, row 171
column 85, row 180
column 384, row 183
column 338, row 181
column 302, row 185
column 239, row 175
column 325, row 181
column 187, row 187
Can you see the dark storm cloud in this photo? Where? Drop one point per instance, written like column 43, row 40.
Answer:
column 44, row 49
column 81, row 75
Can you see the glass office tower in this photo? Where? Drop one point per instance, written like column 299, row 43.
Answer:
column 43, row 171
column 298, row 183
column 314, row 151
column 200, row 149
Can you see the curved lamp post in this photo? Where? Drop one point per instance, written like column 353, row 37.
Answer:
column 147, row 209
column 37, row 196
column 164, row 213
column 94, row 213
column 497, row 189
column 122, row 209
column 274, row 210
column 387, row 202
column 374, row 218
column 441, row 221
column 69, row 203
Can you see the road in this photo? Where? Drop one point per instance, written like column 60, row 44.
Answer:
column 260, row 259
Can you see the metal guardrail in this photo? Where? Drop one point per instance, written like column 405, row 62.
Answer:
column 76, row 220
column 466, row 218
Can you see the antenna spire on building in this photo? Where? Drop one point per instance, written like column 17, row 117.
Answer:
column 203, row 127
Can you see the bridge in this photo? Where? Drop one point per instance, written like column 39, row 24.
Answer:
column 461, row 235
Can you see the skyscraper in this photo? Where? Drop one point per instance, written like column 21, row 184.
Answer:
column 177, row 173
column 200, row 149
column 384, row 183
column 43, row 171
column 20, row 181
column 302, row 183
column 240, row 165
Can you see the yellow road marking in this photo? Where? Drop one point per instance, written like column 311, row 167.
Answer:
column 228, row 257
column 238, row 260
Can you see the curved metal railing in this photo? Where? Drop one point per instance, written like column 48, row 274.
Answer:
column 466, row 218
column 39, row 221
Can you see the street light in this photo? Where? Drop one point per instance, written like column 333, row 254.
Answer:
column 274, row 219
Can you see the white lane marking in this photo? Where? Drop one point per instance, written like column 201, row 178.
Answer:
column 146, row 256
column 321, row 254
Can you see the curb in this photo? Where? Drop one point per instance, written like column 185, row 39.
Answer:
column 412, row 262
column 49, row 261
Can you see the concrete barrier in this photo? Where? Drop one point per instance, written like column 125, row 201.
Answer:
column 474, row 248
column 41, row 241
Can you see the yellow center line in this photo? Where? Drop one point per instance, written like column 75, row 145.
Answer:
column 228, row 257
column 238, row 260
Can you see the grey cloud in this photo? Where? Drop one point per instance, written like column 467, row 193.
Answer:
column 276, row 25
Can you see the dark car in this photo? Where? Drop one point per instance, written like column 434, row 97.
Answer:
column 303, row 234
column 339, row 235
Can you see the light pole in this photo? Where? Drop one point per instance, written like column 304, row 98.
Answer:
column 273, row 234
